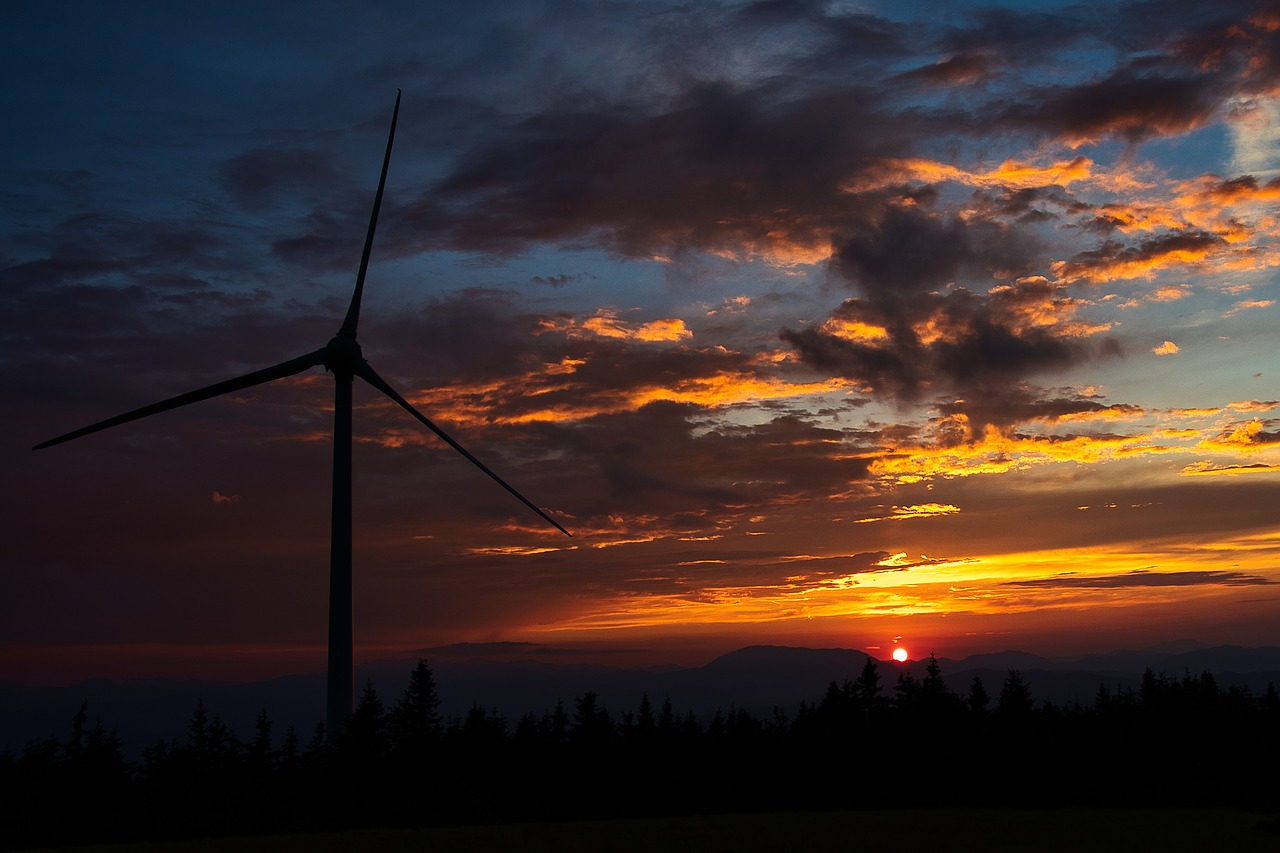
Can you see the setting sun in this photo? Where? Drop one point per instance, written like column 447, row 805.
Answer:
column 900, row 654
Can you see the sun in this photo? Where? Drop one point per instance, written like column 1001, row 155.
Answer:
column 900, row 654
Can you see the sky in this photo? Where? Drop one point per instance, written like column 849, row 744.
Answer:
column 828, row 324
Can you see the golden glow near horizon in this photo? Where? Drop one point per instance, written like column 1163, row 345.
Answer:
column 1097, row 584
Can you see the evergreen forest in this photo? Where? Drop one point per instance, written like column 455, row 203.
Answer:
column 1174, row 741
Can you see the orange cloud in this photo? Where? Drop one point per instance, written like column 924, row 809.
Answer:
column 1171, row 293
column 899, row 513
column 1249, row 305
column 1130, row 217
column 957, row 449
column 1247, row 437
column 1114, row 262
column 1010, row 173
column 731, row 305
column 1206, row 468
column 1118, row 578
column 1166, row 348
column 606, row 324
column 854, row 330
column 1210, row 191
column 516, row 399
column 1254, row 405
column 515, row 550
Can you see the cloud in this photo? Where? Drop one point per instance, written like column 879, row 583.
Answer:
column 1246, row 436
column 1114, row 260
column 903, row 347
column 928, row 510
column 605, row 323
column 1253, row 405
column 1248, row 305
column 1133, row 103
column 1205, row 468
column 1011, row 175
column 959, row 70
column 702, row 172
column 1143, row 578
column 1166, row 348
column 265, row 177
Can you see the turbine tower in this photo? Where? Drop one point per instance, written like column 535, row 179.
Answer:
column 342, row 357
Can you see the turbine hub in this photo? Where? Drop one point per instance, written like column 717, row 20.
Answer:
column 342, row 354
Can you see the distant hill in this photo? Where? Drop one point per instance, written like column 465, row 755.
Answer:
column 757, row 679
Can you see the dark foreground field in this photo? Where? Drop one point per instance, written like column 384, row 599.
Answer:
column 886, row 831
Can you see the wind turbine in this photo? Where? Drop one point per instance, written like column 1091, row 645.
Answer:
column 342, row 357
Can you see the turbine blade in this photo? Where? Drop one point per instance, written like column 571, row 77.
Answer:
column 368, row 374
column 353, row 310
column 279, row 371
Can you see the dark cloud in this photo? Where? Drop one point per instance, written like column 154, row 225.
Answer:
column 704, row 163
column 556, row 280
column 1114, row 259
column 936, row 342
column 960, row 70
column 920, row 333
column 264, row 177
column 1144, row 578
column 835, row 37
column 1132, row 104
column 331, row 241
column 650, row 459
column 1238, row 38
column 721, row 167
column 1031, row 205
column 1005, row 406
column 1023, row 34
column 901, row 251
column 98, row 247
column 662, row 470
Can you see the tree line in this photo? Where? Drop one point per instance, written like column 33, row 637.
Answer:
column 862, row 744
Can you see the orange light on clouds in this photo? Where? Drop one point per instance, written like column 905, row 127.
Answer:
column 1093, row 586
column 899, row 513
column 1010, row 173
column 853, row 330
column 605, row 323
column 483, row 404
column 1131, row 266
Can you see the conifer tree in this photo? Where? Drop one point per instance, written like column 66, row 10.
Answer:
column 591, row 723
column 414, row 723
column 866, row 687
column 366, row 730
column 1015, row 696
column 645, row 721
column 978, row 697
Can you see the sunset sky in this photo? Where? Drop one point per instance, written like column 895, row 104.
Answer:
column 817, row 323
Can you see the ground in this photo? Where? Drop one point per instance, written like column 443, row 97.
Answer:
column 885, row 831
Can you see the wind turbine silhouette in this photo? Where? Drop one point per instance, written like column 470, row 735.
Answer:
column 342, row 357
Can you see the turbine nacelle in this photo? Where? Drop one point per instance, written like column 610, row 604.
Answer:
column 343, row 355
